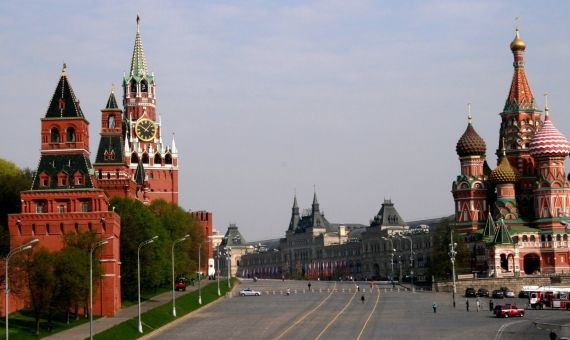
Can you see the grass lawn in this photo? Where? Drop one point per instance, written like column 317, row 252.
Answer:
column 22, row 325
column 162, row 315
column 146, row 295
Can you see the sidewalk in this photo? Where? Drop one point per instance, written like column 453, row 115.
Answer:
column 104, row 323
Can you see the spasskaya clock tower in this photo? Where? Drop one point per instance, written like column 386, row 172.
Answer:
column 142, row 166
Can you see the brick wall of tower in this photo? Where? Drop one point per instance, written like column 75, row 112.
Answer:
column 205, row 222
column 50, row 226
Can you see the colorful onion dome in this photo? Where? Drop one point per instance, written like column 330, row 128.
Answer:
column 549, row 141
column 470, row 143
column 518, row 44
column 504, row 172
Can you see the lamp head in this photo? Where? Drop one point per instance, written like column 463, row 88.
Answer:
column 34, row 241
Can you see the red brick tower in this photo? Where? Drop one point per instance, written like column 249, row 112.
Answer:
column 136, row 141
column 63, row 197
column 520, row 120
column 470, row 188
column 205, row 223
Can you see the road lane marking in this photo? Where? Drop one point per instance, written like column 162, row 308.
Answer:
column 304, row 316
column 369, row 316
column 336, row 316
column 504, row 326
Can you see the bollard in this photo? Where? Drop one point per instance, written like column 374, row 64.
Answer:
column 303, row 290
column 364, row 290
column 320, row 290
column 280, row 292
column 398, row 289
column 295, row 291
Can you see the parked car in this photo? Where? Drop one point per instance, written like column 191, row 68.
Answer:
column 180, row 284
column 509, row 310
column 483, row 292
column 524, row 294
column 498, row 294
column 509, row 293
column 249, row 292
column 470, row 292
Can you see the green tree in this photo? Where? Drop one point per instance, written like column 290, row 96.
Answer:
column 138, row 224
column 440, row 265
column 177, row 223
column 12, row 182
column 42, row 284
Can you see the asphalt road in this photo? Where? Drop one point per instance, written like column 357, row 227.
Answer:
column 335, row 311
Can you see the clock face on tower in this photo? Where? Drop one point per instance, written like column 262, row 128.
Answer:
column 145, row 129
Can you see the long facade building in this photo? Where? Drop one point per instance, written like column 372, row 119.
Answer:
column 315, row 248
column 514, row 216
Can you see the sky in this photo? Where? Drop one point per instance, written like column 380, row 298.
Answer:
column 360, row 100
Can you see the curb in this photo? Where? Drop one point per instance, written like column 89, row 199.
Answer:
column 169, row 325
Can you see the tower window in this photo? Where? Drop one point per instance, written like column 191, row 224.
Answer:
column 168, row 159
column 84, row 206
column 70, row 133
column 145, row 159
column 111, row 121
column 54, row 135
column 144, row 86
column 134, row 158
column 133, row 86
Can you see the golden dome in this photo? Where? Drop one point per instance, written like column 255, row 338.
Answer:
column 517, row 44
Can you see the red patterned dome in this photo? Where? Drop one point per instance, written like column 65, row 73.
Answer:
column 471, row 144
column 549, row 141
column 504, row 173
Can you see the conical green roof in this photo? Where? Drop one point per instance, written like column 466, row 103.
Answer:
column 490, row 227
column 138, row 62
column 502, row 236
column 111, row 102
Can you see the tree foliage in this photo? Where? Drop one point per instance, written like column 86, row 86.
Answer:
column 12, row 182
column 440, row 265
column 140, row 223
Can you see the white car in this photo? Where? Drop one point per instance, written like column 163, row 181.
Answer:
column 249, row 292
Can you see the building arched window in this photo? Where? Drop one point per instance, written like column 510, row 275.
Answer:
column 133, row 86
column 144, row 86
column 70, row 134
column 134, row 158
column 168, row 159
column 157, row 159
column 145, row 159
column 54, row 135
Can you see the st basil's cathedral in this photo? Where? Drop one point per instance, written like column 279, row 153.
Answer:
column 514, row 216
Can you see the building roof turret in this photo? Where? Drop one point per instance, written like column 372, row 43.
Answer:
column 502, row 236
column 549, row 141
column 470, row 143
column 63, row 103
column 504, row 172
column 520, row 96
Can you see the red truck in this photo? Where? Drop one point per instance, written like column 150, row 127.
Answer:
column 508, row 311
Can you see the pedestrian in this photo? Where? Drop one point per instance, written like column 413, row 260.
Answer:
column 362, row 298
column 357, row 288
column 478, row 305
column 491, row 305
column 553, row 335
column 467, row 304
column 288, row 291
column 434, row 306
column 309, row 285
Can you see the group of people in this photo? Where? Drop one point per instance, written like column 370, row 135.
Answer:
column 478, row 304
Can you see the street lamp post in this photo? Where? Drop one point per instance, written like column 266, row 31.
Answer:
column 95, row 246
column 392, row 258
column 229, row 258
column 199, row 275
column 409, row 238
column 142, row 244
column 174, row 283
column 452, row 253
column 13, row 252
column 218, row 271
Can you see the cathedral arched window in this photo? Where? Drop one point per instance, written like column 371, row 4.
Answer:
column 70, row 134
column 525, row 238
column 111, row 122
column 54, row 135
column 144, row 86
column 532, row 238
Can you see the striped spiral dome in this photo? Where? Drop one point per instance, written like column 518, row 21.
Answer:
column 549, row 141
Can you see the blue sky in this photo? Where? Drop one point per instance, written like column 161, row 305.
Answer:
column 363, row 99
